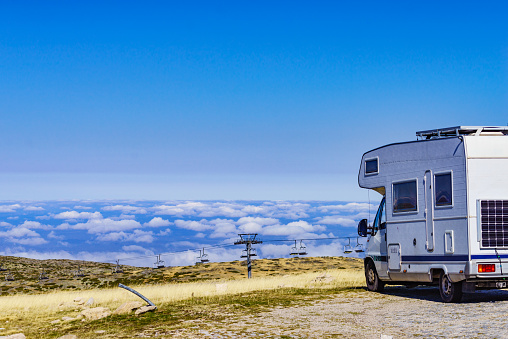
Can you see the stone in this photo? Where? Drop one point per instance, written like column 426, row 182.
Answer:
column 79, row 301
column 128, row 307
column 96, row 313
column 384, row 336
column 55, row 321
column 145, row 309
column 90, row 302
column 68, row 336
column 325, row 278
column 14, row 336
column 100, row 331
column 68, row 319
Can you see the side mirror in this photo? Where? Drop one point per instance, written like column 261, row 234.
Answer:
column 362, row 228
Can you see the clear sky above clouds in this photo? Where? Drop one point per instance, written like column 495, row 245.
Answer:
column 233, row 100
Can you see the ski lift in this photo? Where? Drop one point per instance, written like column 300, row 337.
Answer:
column 359, row 247
column 244, row 254
column 204, row 257
column 118, row 268
column 159, row 263
column 348, row 248
column 79, row 272
column 294, row 250
column 303, row 249
column 253, row 252
column 9, row 277
column 42, row 275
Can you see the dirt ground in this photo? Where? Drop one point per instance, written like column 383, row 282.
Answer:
column 398, row 313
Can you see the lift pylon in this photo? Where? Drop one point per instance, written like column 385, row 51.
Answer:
column 248, row 239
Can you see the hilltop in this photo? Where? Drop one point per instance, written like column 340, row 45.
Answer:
column 32, row 276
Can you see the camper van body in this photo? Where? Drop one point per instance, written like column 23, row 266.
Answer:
column 443, row 217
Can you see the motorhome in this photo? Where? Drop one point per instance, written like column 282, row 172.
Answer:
column 443, row 216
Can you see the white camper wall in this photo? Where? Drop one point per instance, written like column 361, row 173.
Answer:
column 487, row 175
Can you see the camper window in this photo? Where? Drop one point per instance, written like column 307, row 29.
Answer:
column 380, row 220
column 371, row 166
column 405, row 196
column 443, row 189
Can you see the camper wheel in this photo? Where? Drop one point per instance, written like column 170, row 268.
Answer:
column 373, row 282
column 450, row 292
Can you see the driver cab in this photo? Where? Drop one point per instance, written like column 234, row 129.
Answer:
column 376, row 245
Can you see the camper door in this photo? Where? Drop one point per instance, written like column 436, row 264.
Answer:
column 378, row 248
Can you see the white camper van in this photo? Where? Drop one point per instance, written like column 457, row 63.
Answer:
column 443, row 217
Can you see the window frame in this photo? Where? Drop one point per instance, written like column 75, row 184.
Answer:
column 365, row 166
column 434, row 190
column 412, row 211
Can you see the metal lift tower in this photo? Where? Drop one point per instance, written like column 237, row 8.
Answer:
column 248, row 239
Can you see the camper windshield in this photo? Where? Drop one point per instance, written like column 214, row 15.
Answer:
column 380, row 220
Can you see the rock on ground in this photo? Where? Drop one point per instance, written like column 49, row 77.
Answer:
column 128, row 307
column 96, row 313
column 14, row 336
column 145, row 309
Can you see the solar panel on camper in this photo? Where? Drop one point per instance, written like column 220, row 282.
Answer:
column 494, row 223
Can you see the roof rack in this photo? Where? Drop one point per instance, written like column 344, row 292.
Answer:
column 461, row 130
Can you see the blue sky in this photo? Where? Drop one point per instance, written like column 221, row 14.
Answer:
column 233, row 100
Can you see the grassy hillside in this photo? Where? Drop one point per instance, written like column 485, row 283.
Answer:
column 63, row 274
column 205, row 294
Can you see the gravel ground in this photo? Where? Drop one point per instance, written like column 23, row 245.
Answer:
column 398, row 312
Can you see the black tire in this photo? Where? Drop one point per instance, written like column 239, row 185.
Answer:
column 450, row 292
column 372, row 279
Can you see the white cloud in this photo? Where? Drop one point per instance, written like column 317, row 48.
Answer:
column 52, row 235
column 257, row 220
column 200, row 209
column 157, row 222
column 73, row 215
column 223, row 228
column 349, row 207
column 165, row 232
column 296, row 228
column 34, row 225
column 29, row 241
column 33, row 208
column 9, row 208
column 19, row 232
column 193, row 225
column 335, row 220
column 137, row 248
column 136, row 236
column 126, row 209
column 79, row 207
column 94, row 226
column 5, row 224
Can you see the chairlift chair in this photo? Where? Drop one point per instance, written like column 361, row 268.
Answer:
column 204, row 258
column 244, row 254
column 294, row 250
column 303, row 249
column 253, row 252
column 159, row 263
column 118, row 268
column 348, row 248
column 359, row 247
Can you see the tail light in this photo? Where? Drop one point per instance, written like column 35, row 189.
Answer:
column 486, row 268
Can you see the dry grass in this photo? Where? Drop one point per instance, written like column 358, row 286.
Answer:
column 48, row 305
column 181, row 303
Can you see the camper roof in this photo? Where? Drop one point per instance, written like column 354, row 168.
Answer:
column 462, row 130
